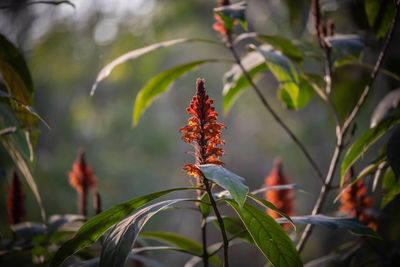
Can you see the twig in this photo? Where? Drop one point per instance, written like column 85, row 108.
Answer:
column 272, row 112
column 204, row 241
column 339, row 143
column 220, row 221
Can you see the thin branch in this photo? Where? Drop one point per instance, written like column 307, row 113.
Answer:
column 220, row 221
column 339, row 143
column 204, row 241
column 272, row 112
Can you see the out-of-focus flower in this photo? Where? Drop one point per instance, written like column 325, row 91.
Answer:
column 356, row 203
column 203, row 132
column 82, row 179
column 282, row 199
column 219, row 23
column 15, row 201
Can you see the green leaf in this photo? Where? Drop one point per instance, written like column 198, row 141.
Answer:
column 205, row 209
column 385, row 107
column 268, row 235
column 228, row 180
column 95, row 227
column 365, row 141
column 17, row 78
column 345, row 46
column 296, row 97
column 391, row 187
column 379, row 14
column 351, row 224
column 235, row 81
column 181, row 242
column 119, row 241
column 28, row 108
column 160, row 84
column 105, row 71
column 284, row 45
column 235, row 227
column 19, row 160
column 271, row 206
column 393, row 152
column 231, row 13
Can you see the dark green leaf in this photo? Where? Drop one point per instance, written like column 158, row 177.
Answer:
column 160, row 84
column 379, row 15
column 271, row 206
column 120, row 239
column 364, row 141
column 284, row 45
column 181, row 242
column 235, row 81
column 205, row 209
column 231, row 13
column 95, row 227
column 393, row 152
column 228, row 180
column 351, row 224
column 391, row 187
column 104, row 72
column 385, row 106
column 268, row 235
column 235, row 227
column 346, row 46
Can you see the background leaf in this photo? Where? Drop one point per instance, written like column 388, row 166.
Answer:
column 351, row 224
column 390, row 186
column 379, row 14
column 296, row 97
column 235, row 227
column 365, row 141
column 95, row 227
column 393, row 152
column 284, row 45
column 120, row 239
column 160, row 84
column 268, row 235
column 346, row 46
column 228, row 180
column 231, row 13
column 181, row 242
column 105, row 71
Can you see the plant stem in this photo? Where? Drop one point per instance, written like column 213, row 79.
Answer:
column 220, row 221
column 204, row 241
column 272, row 112
column 339, row 142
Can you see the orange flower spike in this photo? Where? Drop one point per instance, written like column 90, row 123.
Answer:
column 81, row 178
column 219, row 23
column 282, row 199
column 15, row 200
column 355, row 201
column 203, row 132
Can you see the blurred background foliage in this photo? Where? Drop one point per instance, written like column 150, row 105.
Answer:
column 65, row 47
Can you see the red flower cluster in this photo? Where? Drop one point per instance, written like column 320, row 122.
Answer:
column 355, row 201
column 82, row 179
column 15, row 201
column 282, row 199
column 219, row 24
column 203, row 131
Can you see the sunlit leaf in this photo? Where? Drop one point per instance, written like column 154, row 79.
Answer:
column 351, row 224
column 181, row 242
column 105, row 72
column 24, row 169
column 390, row 186
column 96, row 226
column 268, row 236
column 365, row 141
column 235, row 81
column 296, row 96
column 160, row 84
column 120, row 239
column 385, row 106
column 227, row 180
